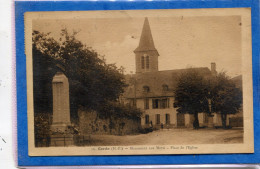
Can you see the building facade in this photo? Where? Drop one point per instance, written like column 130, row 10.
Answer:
column 152, row 90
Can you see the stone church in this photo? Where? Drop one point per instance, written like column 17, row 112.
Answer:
column 152, row 90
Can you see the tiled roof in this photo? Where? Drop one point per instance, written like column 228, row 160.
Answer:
column 155, row 81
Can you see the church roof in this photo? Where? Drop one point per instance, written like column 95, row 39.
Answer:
column 155, row 81
column 146, row 40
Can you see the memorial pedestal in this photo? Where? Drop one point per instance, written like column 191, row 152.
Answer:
column 59, row 127
column 62, row 140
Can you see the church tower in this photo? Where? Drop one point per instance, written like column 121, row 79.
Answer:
column 146, row 55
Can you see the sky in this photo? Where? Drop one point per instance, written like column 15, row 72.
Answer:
column 181, row 41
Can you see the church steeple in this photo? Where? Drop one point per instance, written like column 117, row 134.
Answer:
column 146, row 41
column 146, row 55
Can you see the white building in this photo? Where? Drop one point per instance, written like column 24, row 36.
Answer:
column 152, row 90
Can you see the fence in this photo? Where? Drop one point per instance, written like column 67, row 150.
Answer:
column 62, row 141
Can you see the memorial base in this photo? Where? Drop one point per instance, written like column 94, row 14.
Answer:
column 59, row 127
column 62, row 140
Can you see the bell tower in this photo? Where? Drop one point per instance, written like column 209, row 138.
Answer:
column 146, row 55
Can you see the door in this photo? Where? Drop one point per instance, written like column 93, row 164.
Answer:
column 180, row 120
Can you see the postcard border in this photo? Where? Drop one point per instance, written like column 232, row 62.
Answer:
column 25, row 160
column 245, row 147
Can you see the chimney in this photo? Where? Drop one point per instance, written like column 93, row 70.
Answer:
column 213, row 68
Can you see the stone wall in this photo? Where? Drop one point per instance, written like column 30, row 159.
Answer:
column 90, row 123
column 236, row 121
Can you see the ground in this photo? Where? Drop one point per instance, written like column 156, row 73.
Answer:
column 169, row 137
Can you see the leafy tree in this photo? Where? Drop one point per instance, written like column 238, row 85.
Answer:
column 118, row 110
column 93, row 83
column 191, row 94
column 226, row 97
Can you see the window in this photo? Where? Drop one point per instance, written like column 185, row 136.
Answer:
column 142, row 62
column 146, row 103
column 147, row 62
column 167, row 118
column 164, row 103
column 147, row 121
column 161, row 103
column 155, row 103
column 165, row 87
column 158, row 119
column 133, row 102
column 146, row 89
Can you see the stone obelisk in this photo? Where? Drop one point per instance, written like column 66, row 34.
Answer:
column 61, row 104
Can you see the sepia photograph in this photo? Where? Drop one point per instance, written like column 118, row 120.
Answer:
column 175, row 81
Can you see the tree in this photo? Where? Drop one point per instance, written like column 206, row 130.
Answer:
column 93, row 83
column 119, row 110
column 226, row 97
column 191, row 94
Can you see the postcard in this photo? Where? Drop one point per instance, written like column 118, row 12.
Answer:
column 136, row 82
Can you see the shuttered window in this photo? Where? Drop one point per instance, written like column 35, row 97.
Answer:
column 147, row 62
column 146, row 103
column 142, row 62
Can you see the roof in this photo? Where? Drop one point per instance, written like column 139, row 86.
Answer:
column 238, row 81
column 155, row 81
column 146, row 40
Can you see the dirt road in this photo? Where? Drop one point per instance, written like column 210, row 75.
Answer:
column 170, row 137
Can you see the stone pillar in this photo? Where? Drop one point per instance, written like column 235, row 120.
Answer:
column 61, row 104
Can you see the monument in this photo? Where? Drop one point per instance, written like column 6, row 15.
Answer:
column 61, row 111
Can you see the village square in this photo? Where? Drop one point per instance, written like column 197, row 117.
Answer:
column 81, row 100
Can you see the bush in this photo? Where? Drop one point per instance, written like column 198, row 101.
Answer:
column 42, row 129
column 146, row 130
